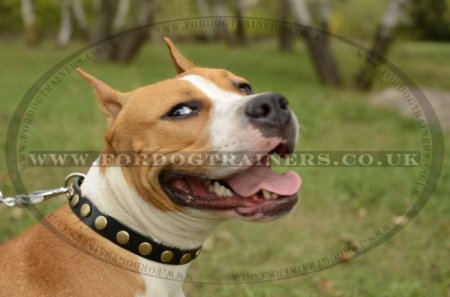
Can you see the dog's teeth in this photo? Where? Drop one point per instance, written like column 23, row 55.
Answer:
column 274, row 196
column 216, row 188
column 266, row 194
column 219, row 189
column 212, row 187
column 228, row 193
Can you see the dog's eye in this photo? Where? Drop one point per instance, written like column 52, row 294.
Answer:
column 245, row 88
column 183, row 110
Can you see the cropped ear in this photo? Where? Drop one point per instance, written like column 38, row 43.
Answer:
column 111, row 100
column 181, row 63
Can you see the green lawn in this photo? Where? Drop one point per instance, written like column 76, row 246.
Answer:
column 337, row 204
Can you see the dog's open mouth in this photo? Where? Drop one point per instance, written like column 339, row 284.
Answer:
column 255, row 192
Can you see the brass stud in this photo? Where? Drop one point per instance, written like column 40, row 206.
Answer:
column 166, row 256
column 122, row 237
column 185, row 258
column 100, row 223
column 145, row 248
column 75, row 200
column 85, row 210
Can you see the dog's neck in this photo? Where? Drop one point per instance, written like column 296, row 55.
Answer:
column 110, row 192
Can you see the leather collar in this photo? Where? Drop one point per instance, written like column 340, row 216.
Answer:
column 124, row 236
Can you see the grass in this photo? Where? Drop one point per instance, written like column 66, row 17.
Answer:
column 334, row 200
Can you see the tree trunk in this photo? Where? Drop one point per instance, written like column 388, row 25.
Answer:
column 128, row 45
column 219, row 10
column 285, row 38
column 382, row 42
column 318, row 46
column 122, row 12
column 105, row 10
column 241, row 38
column 80, row 17
column 29, row 21
column 204, row 11
column 65, row 26
column 324, row 15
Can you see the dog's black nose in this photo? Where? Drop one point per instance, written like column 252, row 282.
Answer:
column 268, row 110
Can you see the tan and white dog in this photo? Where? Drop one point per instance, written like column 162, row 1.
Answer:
column 201, row 110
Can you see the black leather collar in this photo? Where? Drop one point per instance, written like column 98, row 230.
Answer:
column 123, row 236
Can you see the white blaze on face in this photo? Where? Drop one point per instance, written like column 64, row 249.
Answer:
column 230, row 129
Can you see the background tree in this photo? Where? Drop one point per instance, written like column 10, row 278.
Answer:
column 285, row 38
column 28, row 12
column 382, row 42
column 219, row 9
column 121, row 15
column 128, row 45
column 318, row 43
column 71, row 9
column 104, row 16
column 239, row 8
column 430, row 20
column 204, row 11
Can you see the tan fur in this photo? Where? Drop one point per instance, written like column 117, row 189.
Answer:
column 181, row 63
column 40, row 263
column 139, row 128
column 221, row 77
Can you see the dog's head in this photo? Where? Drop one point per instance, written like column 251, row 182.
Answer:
column 204, row 140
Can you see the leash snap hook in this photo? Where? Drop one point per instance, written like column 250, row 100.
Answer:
column 23, row 200
column 39, row 196
column 8, row 201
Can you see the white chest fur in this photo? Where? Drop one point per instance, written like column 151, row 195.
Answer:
column 111, row 193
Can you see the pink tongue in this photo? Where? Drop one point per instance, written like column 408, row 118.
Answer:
column 256, row 178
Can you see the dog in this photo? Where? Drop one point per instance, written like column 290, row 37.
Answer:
column 123, row 222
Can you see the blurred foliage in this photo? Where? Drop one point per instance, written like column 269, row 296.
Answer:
column 10, row 21
column 345, row 14
column 431, row 19
column 47, row 12
column 358, row 19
